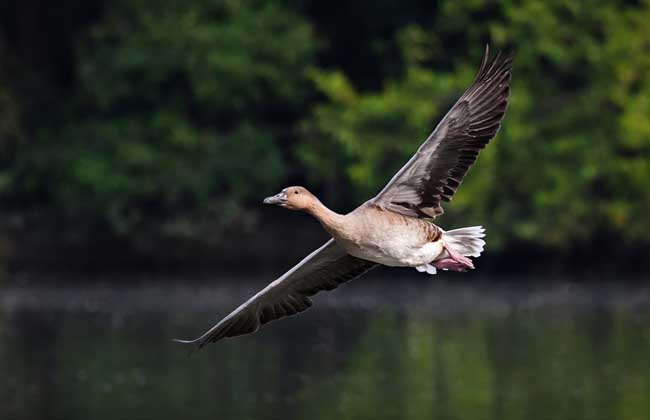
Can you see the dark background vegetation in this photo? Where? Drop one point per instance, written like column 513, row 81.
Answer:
column 148, row 132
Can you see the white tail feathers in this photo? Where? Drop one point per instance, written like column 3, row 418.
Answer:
column 466, row 241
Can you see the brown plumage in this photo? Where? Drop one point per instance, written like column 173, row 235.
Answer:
column 395, row 227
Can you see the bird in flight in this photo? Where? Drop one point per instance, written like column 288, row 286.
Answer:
column 396, row 227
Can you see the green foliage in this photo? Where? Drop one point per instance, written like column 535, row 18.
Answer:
column 171, row 129
column 173, row 118
column 571, row 162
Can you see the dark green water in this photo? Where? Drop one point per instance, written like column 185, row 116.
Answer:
column 376, row 349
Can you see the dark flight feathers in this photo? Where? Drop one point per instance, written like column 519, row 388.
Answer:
column 324, row 269
column 434, row 173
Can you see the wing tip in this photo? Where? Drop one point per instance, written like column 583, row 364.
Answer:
column 192, row 343
column 501, row 63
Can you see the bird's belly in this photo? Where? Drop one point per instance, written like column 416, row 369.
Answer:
column 395, row 251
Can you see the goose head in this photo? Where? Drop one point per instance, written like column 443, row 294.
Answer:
column 293, row 198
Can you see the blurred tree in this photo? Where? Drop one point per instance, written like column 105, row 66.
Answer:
column 571, row 163
column 10, row 133
column 176, row 120
column 151, row 119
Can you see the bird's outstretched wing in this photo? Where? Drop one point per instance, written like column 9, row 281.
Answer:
column 434, row 173
column 324, row 269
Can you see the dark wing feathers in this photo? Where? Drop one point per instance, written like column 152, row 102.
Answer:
column 436, row 171
column 324, row 269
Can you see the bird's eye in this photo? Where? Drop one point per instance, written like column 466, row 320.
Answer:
column 296, row 192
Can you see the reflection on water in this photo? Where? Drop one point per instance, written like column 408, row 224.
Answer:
column 372, row 350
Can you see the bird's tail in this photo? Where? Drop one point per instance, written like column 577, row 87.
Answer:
column 466, row 241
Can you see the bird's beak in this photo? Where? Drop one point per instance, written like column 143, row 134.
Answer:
column 279, row 199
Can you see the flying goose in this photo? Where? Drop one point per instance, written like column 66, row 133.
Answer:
column 396, row 227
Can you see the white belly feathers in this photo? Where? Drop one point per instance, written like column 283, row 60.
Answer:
column 395, row 253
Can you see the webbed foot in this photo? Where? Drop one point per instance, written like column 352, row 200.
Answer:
column 454, row 262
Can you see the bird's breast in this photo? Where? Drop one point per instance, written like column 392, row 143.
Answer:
column 391, row 241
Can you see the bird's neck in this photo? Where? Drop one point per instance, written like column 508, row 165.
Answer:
column 331, row 221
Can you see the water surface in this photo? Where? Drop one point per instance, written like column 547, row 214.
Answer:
column 375, row 349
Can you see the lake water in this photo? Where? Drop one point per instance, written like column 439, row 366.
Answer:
column 388, row 348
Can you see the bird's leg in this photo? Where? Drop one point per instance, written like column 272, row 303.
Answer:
column 454, row 261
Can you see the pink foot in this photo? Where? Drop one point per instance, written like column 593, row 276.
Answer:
column 449, row 264
column 455, row 262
